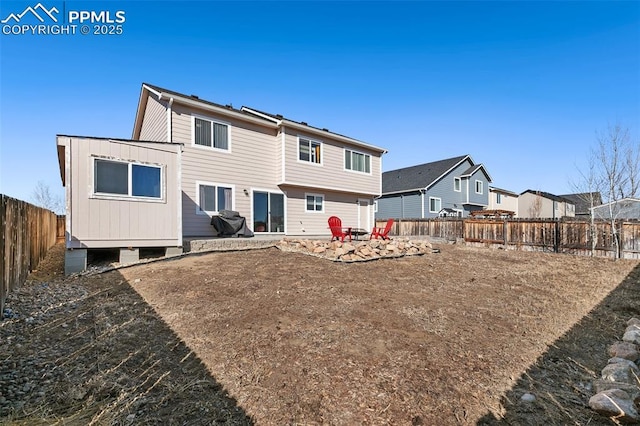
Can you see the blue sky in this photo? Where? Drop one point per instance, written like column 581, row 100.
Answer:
column 520, row 86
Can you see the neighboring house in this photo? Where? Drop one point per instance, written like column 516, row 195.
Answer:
column 540, row 204
column 284, row 176
column 501, row 199
column 627, row 208
column 582, row 201
column 452, row 187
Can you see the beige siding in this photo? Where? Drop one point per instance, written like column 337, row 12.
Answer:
column 154, row 123
column 97, row 221
column 543, row 208
column 508, row 202
column 343, row 205
column 331, row 174
column 250, row 163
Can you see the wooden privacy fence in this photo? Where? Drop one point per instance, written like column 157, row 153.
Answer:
column 26, row 233
column 560, row 236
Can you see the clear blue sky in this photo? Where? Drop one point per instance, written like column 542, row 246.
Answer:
column 520, row 86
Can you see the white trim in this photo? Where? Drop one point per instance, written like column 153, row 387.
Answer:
column 315, row 195
column 375, row 206
column 344, row 168
column 422, row 194
column 334, row 136
column 169, row 127
column 155, row 92
column 327, row 188
column 260, row 114
column 450, row 170
column 459, row 180
column 438, row 210
column 216, row 185
column 368, row 225
column 129, row 196
column 310, row 140
column 179, row 195
column 284, row 153
column 481, row 187
column 212, row 120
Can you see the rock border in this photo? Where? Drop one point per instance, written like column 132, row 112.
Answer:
column 618, row 390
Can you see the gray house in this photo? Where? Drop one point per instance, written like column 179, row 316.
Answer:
column 627, row 208
column 452, row 187
column 582, row 201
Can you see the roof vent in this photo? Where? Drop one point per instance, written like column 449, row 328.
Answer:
column 303, row 123
column 195, row 97
column 325, row 129
column 230, row 106
column 279, row 115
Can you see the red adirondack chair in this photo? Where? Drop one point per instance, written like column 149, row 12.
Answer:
column 337, row 231
column 382, row 232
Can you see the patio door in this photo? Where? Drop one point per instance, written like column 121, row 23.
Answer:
column 268, row 211
column 364, row 217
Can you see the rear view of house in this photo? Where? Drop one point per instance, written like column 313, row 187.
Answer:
column 540, row 204
column 452, row 187
column 189, row 159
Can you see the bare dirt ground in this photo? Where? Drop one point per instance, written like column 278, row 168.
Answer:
column 277, row 338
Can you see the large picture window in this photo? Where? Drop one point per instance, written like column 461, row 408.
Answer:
column 213, row 198
column 209, row 133
column 309, row 151
column 357, row 161
column 127, row 179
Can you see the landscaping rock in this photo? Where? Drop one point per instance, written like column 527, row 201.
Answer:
column 620, row 370
column 604, row 385
column 615, row 403
column 357, row 251
column 626, row 350
column 632, row 334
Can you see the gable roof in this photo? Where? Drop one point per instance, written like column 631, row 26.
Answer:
column 581, row 201
column 419, row 177
column 244, row 113
column 547, row 195
column 471, row 170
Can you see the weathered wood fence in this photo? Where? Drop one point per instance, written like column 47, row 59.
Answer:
column 559, row 236
column 26, row 233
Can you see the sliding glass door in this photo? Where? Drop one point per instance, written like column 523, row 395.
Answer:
column 268, row 212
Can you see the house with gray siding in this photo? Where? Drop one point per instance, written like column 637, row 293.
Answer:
column 451, row 187
column 626, row 208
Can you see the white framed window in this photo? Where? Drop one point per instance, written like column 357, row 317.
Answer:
column 130, row 179
column 309, row 151
column 210, row 133
column 375, row 206
column 314, row 203
column 357, row 161
column 435, row 205
column 457, row 184
column 479, row 187
column 498, row 198
column 211, row 198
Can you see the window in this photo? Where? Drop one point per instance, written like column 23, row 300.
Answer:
column 357, row 161
column 309, row 151
column 315, row 203
column 127, row 179
column 498, row 198
column 435, row 205
column 210, row 133
column 457, row 184
column 212, row 198
column 375, row 206
column 479, row 187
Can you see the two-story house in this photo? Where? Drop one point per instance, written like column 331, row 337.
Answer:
column 544, row 205
column 451, row 187
column 502, row 199
column 188, row 159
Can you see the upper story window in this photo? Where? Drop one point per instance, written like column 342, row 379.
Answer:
column 498, row 198
column 357, row 161
column 309, row 150
column 479, row 187
column 210, row 133
column 457, row 184
column 126, row 179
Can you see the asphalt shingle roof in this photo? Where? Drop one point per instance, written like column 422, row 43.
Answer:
column 416, row 177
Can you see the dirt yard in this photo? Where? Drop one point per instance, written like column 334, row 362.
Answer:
column 277, row 338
